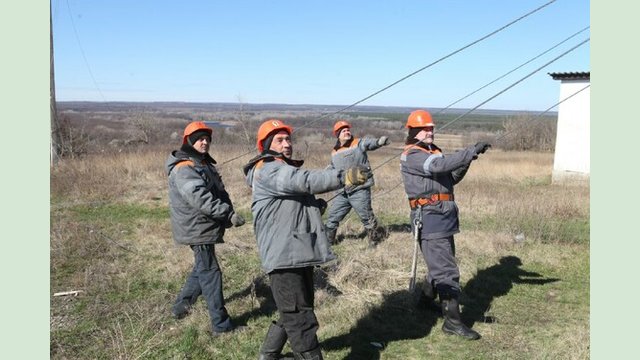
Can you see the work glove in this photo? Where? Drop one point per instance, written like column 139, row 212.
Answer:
column 383, row 140
column 355, row 176
column 237, row 219
column 322, row 205
column 481, row 147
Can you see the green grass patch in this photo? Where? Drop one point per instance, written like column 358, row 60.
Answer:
column 121, row 213
column 188, row 341
column 76, row 339
column 543, row 229
column 121, row 255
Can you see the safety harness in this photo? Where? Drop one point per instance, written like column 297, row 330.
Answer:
column 414, row 203
column 433, row 198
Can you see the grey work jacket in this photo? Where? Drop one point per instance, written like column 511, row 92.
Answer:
column 426, row 171
column 353, row 154
column 286, row 215
column 199, row 205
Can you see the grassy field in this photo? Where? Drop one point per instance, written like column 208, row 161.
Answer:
column 523, row 254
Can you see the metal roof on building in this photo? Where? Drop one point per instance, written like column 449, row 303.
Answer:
column 585, row 75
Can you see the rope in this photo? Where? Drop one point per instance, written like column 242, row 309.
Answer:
column 434, row 63
column 516, row 83
column 496, row 95
column 413, row 73
column 509, row 72
column 537, row 117
column 75, row 31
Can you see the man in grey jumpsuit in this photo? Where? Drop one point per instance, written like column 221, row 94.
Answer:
column 348, row 152
column 287, row 220
column 200, row 210
column 429, row 177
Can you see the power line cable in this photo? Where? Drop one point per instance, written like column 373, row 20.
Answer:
column 544, row 112
column 75, row 31
column 516, row 83
column 511, row 71
column 415, row 72
column 487, row 100
column 434, row 63
column 537, row 117
column 497, row 94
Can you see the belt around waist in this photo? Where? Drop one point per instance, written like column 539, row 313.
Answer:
column 430, row 200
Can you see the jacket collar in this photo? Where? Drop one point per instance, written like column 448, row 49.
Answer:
column 270, row 155
column 187, row 151
column 428, row 147
column 346, row 144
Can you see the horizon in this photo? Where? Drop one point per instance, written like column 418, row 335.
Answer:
column 362, row 108
column 315, row 54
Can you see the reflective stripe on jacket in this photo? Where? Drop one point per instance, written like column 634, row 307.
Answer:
column 425, row 171
column 199, row 205
column 286, row 217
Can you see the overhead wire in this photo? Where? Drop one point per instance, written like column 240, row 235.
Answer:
column 497, row 94
column 535, row 118
column 511, row 71
column 86, row 62
column 415, row 72
column 516, row 83
column 545, row 111
column 434, row 62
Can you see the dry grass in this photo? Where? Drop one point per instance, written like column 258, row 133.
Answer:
column 110, row 236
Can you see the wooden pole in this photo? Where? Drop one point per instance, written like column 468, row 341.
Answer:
column 55, row 128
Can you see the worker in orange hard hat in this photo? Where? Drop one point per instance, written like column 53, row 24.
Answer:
column 429, row 177
column 351, row 151
column 200, row 210
column 287, row 220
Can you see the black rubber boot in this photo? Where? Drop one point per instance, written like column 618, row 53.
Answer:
column 331, row 235
column 452, row 321
column 314, row 354
column 273, row 343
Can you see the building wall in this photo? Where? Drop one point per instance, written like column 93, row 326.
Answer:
column 572, row 158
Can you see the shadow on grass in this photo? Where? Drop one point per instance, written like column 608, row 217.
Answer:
column 361, row 235
column 399, row 228
column 388, row 228
column 397, row 318
column 261, row 292
column 493, row 282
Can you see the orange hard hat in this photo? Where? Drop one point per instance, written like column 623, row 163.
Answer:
column 193, row 127
column 419, row 118
column 339, row 125
column 267, row 128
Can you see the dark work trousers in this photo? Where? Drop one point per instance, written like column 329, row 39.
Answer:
column 439, row 255
column 292, row 291
column 206, row 279
column 359, row 200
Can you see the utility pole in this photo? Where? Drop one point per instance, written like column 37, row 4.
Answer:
column 55, row 128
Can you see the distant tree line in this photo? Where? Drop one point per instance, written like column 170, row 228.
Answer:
column 83, row 131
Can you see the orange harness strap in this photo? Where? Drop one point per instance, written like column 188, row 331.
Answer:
column 428, row 201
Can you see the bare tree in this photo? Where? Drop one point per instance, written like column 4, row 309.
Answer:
column 73, row 141
column 524, row 132
column 144, row 126
column 243, row 122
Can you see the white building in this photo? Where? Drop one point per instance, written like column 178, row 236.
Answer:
column 572, row 159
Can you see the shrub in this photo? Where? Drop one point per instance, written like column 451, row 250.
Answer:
column 526, row 132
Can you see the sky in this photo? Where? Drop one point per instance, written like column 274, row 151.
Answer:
column 316, row 52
